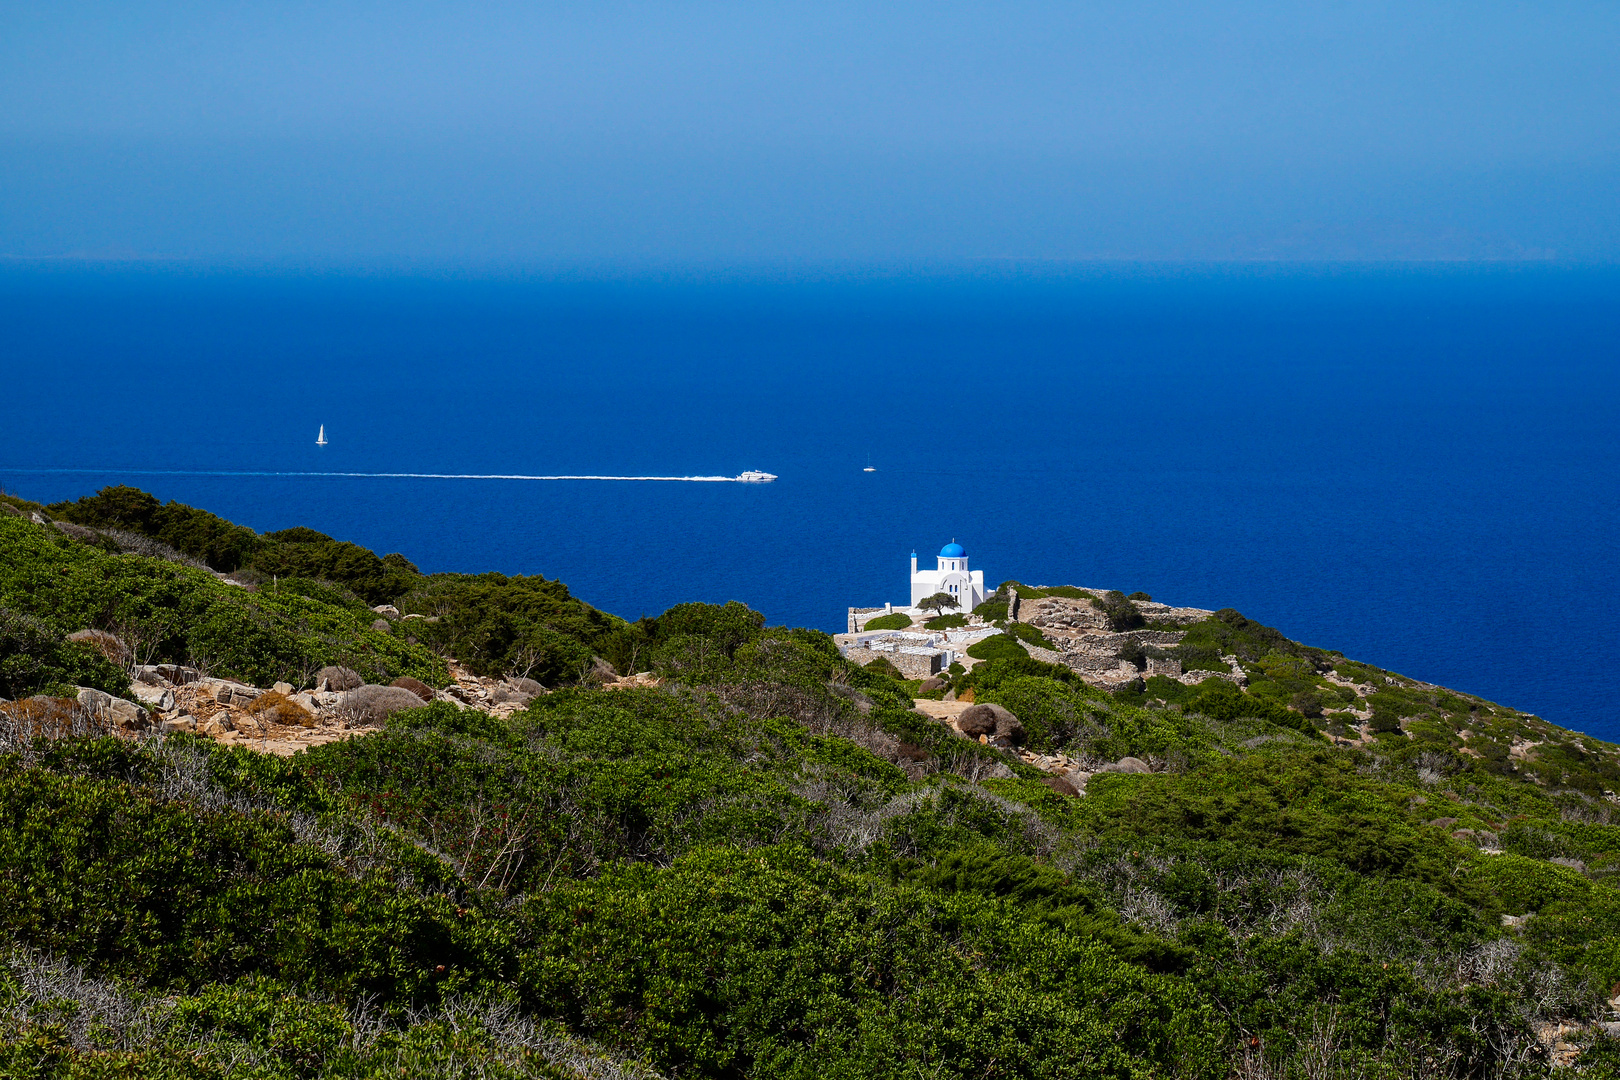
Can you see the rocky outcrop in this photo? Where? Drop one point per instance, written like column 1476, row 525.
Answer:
column 123, row 714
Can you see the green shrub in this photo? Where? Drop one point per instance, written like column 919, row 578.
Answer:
column 946, row 622
column 185, row 615
column 1023, row 631
column 992, row 610
column 35, row 659
column 997, row 647
column 1122, row 614
column 305, row 553
column 1221, row 700
column 219, row 543
column 898, row 620
column 883, row 666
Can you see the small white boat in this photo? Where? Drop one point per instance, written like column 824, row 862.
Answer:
column 753, row 476
column 320, row 440
column 868, row 464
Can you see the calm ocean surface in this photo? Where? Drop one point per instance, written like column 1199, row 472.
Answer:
column 1415, row 466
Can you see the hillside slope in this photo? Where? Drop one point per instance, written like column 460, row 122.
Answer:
column 771, row 864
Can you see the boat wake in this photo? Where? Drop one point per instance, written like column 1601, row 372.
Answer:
column 745, row 478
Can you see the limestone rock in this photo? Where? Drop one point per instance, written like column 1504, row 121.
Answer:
column 381, row 625
column 157, row 697
column 1127, row 765
column 149, row 674
column 95, row 700
column 128, row 715
column 526, row 686
column 387, row 611
column 338, row 679
column 933, row 682
column 283, row 688
column 166, row 674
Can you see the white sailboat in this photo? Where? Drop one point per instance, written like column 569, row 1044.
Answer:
column 868, row 464
column 320, row 440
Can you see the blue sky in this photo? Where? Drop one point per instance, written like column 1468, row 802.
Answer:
column 638, row 133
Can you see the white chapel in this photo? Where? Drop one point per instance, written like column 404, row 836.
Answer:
column 952, row 576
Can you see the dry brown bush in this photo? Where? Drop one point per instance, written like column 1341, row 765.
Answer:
column 49, row 718
column 415, row 686
column 106, row 644
column 271, row 707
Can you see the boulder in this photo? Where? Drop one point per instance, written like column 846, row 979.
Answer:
column 372, row 704
column 106, row 644
column 244, row 695
column 305, row 701
column 128, row 715
column 415, row 686
column 149, row 674
column 157, row 697
column 337, row 678
column 992, row 721
column 174, row 674
column 382, row 626
column 95, row 700
column 283, row 688
column 387, row 611
column 933, row 682
column 526, row 686
column 1127, row 765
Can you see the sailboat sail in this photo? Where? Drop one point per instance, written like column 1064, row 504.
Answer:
column 320, row 440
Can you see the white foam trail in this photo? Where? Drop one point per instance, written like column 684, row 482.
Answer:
column 374, row 475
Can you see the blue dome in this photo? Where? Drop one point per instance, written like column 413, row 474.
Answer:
column 952, row 550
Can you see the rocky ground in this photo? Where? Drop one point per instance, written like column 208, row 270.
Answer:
column 994, row 725
column 280, row 719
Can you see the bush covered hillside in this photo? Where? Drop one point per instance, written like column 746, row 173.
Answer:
column 763, row 861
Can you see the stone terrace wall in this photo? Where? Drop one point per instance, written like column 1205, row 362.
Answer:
column 913, row 664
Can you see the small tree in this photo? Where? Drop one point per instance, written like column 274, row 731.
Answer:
column 938, row 603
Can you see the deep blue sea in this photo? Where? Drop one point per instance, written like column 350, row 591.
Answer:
column 1417, row 466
